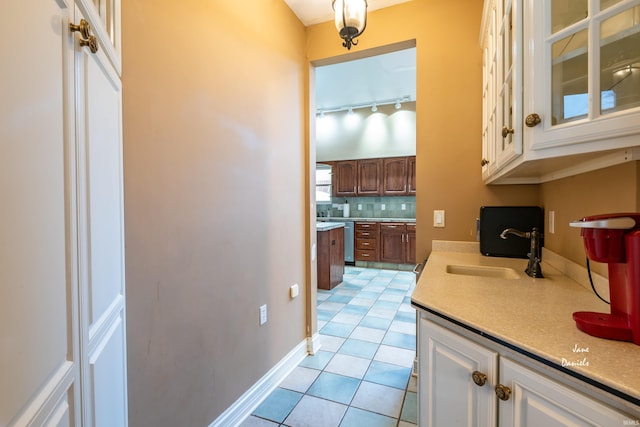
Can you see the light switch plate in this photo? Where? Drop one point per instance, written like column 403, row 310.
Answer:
column 438, row 218
column 263, row 314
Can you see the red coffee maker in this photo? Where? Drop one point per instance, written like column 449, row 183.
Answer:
column 614, row 239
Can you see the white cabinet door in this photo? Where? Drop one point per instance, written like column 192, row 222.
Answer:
column 539, row 401
column 508, row 138
column 448, row 395
column 583, row 74
column 101, row 239
column 38, row 366
column 62, row 330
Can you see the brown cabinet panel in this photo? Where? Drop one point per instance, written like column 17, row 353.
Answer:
column 394, row 182
column 411, row 176
column 345, row 178
column 369, row 177
column 392, row 242
column 410, row 254
column 330, row 261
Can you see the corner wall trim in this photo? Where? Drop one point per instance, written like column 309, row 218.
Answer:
column 313, row 344
column 249, row 401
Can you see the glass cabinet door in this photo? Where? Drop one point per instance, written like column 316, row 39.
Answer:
column 584, row 75
column 106, row 10
column 620, row 60
column 509, row 35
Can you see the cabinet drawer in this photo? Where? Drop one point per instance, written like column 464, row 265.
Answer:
column 366, row 244
column 411, row 228
column 366, row 226
column 366, row 255
column 366, row 234
column 392, row 226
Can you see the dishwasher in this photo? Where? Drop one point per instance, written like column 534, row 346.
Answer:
column 348, row 241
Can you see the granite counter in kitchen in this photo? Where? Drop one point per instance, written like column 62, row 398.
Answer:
column 532, row 316
column 356, row 219
column 329, row 225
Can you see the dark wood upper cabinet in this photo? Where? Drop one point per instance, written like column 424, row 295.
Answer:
column 392, row 176
column 369, row 177
column 345, row 178
column 394, row 182
column 411, row 176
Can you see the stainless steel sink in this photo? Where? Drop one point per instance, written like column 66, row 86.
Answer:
column 483, row 271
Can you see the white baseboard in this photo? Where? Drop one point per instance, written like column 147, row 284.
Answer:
column 249, row 401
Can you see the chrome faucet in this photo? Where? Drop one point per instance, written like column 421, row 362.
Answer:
column 533, row 268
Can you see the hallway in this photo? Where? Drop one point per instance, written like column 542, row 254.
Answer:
column 362, row 374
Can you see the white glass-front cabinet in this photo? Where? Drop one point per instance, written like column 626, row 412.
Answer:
column 568, row 90
column 502, row 80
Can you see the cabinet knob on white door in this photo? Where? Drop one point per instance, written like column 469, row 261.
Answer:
column 87, row 39
column 91, row 42
column 503, row 392
column 506, row 131
column 484, row 162
column 532, row 120
column 83, row 28
column 479, row 378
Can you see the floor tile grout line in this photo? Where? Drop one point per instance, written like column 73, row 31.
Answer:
column 381, row 289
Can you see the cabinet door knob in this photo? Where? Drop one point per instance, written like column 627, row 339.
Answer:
column 532, row 120
column 83, row 28
column 479, row 378
column 91, row 42
column 506, row 131
column 484, row 162
column 503, row 392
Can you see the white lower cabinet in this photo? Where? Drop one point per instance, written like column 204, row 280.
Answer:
column 464, row 383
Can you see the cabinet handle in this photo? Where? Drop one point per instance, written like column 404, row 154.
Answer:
column 532, row 120
column 503, row 392
column 479, row 378
column 484, row 162
column 506, row 131
column 87, row 39
column 91, row 42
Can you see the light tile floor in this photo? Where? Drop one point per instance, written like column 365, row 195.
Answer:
column 361, row 377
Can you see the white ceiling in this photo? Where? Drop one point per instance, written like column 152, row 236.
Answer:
column 363, row 81
column 316, row 11
column 386, row 77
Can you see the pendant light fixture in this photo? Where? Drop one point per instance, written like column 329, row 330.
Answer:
column 351, row 19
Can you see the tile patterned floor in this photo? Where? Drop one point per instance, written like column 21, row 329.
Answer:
column 361, row 377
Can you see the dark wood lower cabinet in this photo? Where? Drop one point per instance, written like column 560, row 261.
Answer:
column 330, row 258
column 398, row 243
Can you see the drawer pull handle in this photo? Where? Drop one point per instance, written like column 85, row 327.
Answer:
column 503, row 392
column 479, row 378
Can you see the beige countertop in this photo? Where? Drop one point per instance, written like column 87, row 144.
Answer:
column 531, row 315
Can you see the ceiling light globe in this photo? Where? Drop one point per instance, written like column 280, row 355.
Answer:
column 350, row 19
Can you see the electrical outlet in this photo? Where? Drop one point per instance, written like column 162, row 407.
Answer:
column 403, row 206
column 263, row 314
column 359, row 206
column 383, row 206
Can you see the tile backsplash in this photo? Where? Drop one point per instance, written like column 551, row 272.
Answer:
column 370, row 207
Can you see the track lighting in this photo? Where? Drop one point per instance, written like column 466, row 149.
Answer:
column 373, row 105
